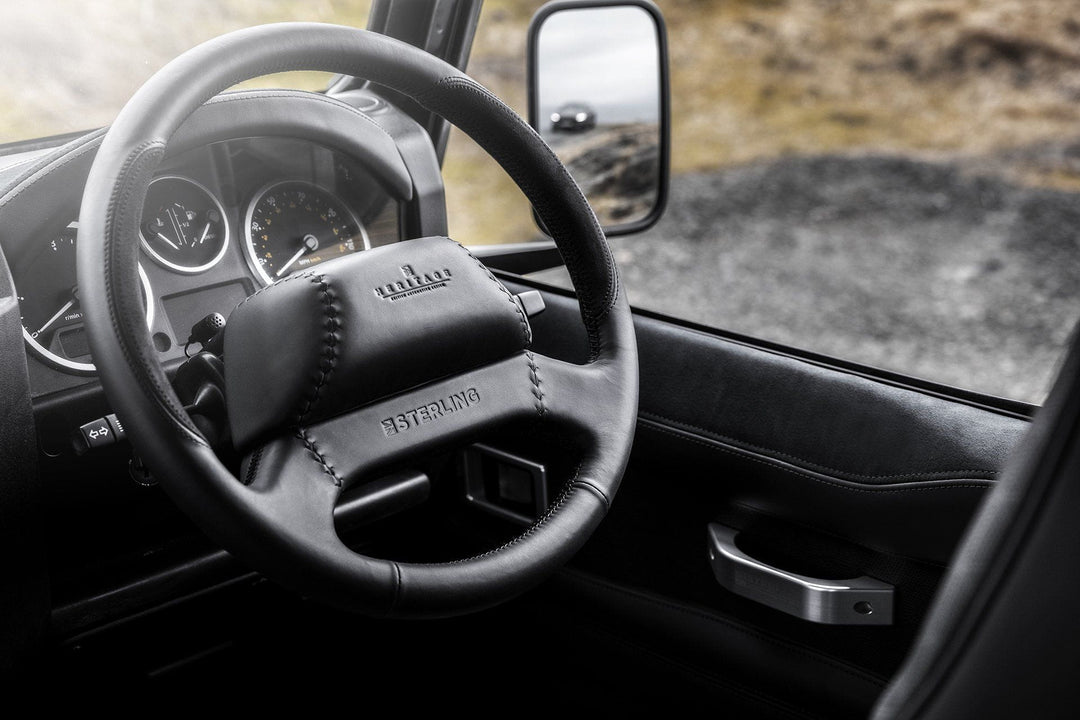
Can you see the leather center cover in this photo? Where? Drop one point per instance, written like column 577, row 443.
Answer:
column 353, row 330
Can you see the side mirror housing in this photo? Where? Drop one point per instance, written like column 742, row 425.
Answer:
column 599, row 96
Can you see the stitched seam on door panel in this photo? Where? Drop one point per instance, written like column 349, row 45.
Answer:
column 713, row 435
column 948, row 483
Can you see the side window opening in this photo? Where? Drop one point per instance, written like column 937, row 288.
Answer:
column 893, row 185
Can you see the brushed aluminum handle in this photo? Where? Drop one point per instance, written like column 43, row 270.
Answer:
column 859, row 601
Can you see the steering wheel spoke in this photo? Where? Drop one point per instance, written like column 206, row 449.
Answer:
column 290, row 492
column 575, row 398
column 355, row 446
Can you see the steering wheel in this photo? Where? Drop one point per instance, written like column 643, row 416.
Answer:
column 363, row 362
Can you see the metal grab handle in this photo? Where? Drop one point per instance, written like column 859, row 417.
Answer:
column 861, row 601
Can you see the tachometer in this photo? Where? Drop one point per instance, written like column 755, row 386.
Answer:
column 183, row 225
column 52, row 317
column 293, row 225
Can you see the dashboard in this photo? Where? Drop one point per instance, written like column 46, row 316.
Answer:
column 219, row 222
column 257, row 185
column 254, row 186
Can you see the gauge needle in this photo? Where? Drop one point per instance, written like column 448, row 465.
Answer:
column 310, row 243
column 205, row 231
column 168, row 241
column 171, row 212
column 60, row 312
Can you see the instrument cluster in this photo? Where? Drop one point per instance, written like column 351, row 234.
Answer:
column 218, row 223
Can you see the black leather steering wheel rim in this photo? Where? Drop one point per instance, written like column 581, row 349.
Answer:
column 188, row 469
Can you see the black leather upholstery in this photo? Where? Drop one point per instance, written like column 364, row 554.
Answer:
column 364, row 328
column 1002, row 638
column 284, row 527
column 861, row 460
column 843, row 426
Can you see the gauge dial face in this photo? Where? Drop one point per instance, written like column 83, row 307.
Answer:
column 294, row 225
column 183, row 225
column 52, row 317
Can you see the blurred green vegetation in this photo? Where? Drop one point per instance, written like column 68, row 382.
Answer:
column 751, row 79
column 69, row 65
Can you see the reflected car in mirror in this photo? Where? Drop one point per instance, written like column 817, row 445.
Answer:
column 573, row 117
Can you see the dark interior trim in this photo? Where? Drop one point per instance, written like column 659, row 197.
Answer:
column 1001, row 406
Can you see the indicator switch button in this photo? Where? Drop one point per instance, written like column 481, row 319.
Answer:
column 97, row 434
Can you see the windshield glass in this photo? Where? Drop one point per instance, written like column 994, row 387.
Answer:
column 70, row 65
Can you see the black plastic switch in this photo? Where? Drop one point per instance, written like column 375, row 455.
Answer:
column 117, row 427
column 98, row 433
column 531, row 302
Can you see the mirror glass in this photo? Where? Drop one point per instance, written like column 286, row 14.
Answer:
column 596, row 98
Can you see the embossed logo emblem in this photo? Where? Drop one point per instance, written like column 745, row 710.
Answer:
column 414, row 283
column 453, row 403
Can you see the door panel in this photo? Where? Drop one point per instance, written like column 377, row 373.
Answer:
column 825, row 471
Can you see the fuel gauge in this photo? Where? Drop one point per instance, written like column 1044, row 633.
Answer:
column 183, row 225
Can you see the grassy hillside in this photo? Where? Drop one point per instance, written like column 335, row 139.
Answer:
column 761, row 79
column 751, row 79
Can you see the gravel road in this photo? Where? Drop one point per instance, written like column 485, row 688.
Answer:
column 922, row 267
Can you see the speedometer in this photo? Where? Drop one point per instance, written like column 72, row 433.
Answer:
column 294, row 225
column 52, row 317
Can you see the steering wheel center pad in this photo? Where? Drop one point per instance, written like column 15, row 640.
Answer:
column 360, row 328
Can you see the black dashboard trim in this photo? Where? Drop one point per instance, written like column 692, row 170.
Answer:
column 24, row 596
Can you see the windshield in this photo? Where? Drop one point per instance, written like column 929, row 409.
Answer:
column 70, row 65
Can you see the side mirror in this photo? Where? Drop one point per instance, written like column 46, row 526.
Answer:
column 598, row 95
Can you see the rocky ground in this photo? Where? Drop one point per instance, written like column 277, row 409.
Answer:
column 616, row 166
column 934, row 269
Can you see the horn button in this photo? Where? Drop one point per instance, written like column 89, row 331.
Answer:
column 360, row 328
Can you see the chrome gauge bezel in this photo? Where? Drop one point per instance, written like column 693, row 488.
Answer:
column 185, row 269
column 249, row 242
column 83, row 368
